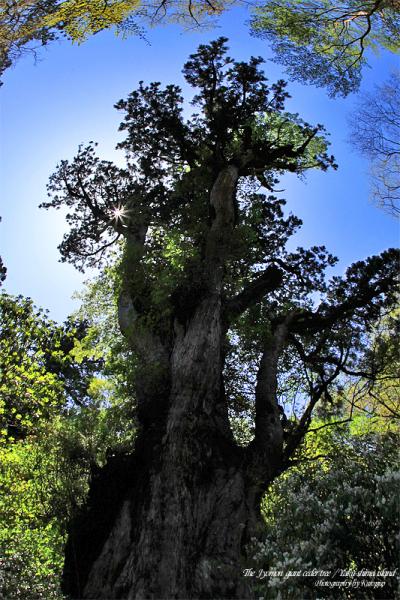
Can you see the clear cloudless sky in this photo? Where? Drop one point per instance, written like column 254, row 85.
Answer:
column 67, row 98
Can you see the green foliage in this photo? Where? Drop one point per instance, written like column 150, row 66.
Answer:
column 369, row 396
column 32, row 571
column 326, row 43
column 338, row 512
column 289, row 129
column 40, row 373
column 44, row 479
column 62, row 410
column 79, row 19
column 379, row 401
column 39, row 484
column 25, row 25
column 111, row 413
column 26, row 347
column 37, row 492
column 22, row 28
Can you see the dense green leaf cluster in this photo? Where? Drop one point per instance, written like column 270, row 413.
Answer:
column 41, row 373
column 337, row 513
column 22, row 28
column 60, row 416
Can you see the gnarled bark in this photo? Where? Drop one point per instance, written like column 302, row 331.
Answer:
column 171, row 521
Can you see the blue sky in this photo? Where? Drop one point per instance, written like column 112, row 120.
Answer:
column 67, row 98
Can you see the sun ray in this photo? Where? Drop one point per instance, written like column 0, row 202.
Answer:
column 118, row 213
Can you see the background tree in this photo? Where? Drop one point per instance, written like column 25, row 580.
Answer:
column 326, row 42
column 60, row 414
column 336, row 513
column 205, row 274
column 113, row 391
column 40, row 382
column 22, row 28
column 376, row 135
column 28, row 24
column 373, row 393
column 40, row 372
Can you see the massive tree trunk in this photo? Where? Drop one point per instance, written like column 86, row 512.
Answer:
column 172, row 520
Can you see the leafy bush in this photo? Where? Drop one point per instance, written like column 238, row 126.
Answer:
column 337, row 513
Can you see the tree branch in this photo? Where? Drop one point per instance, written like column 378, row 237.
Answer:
column 268, row 281
column 310, row 322
column 296, row 437
column 219, row 235
column 265, row 451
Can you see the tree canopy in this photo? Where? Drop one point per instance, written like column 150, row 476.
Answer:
column 41, row 373
column 326, row 42
column 160, row 205
column 25, row 25
column 22, row 28
column 317, row 41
